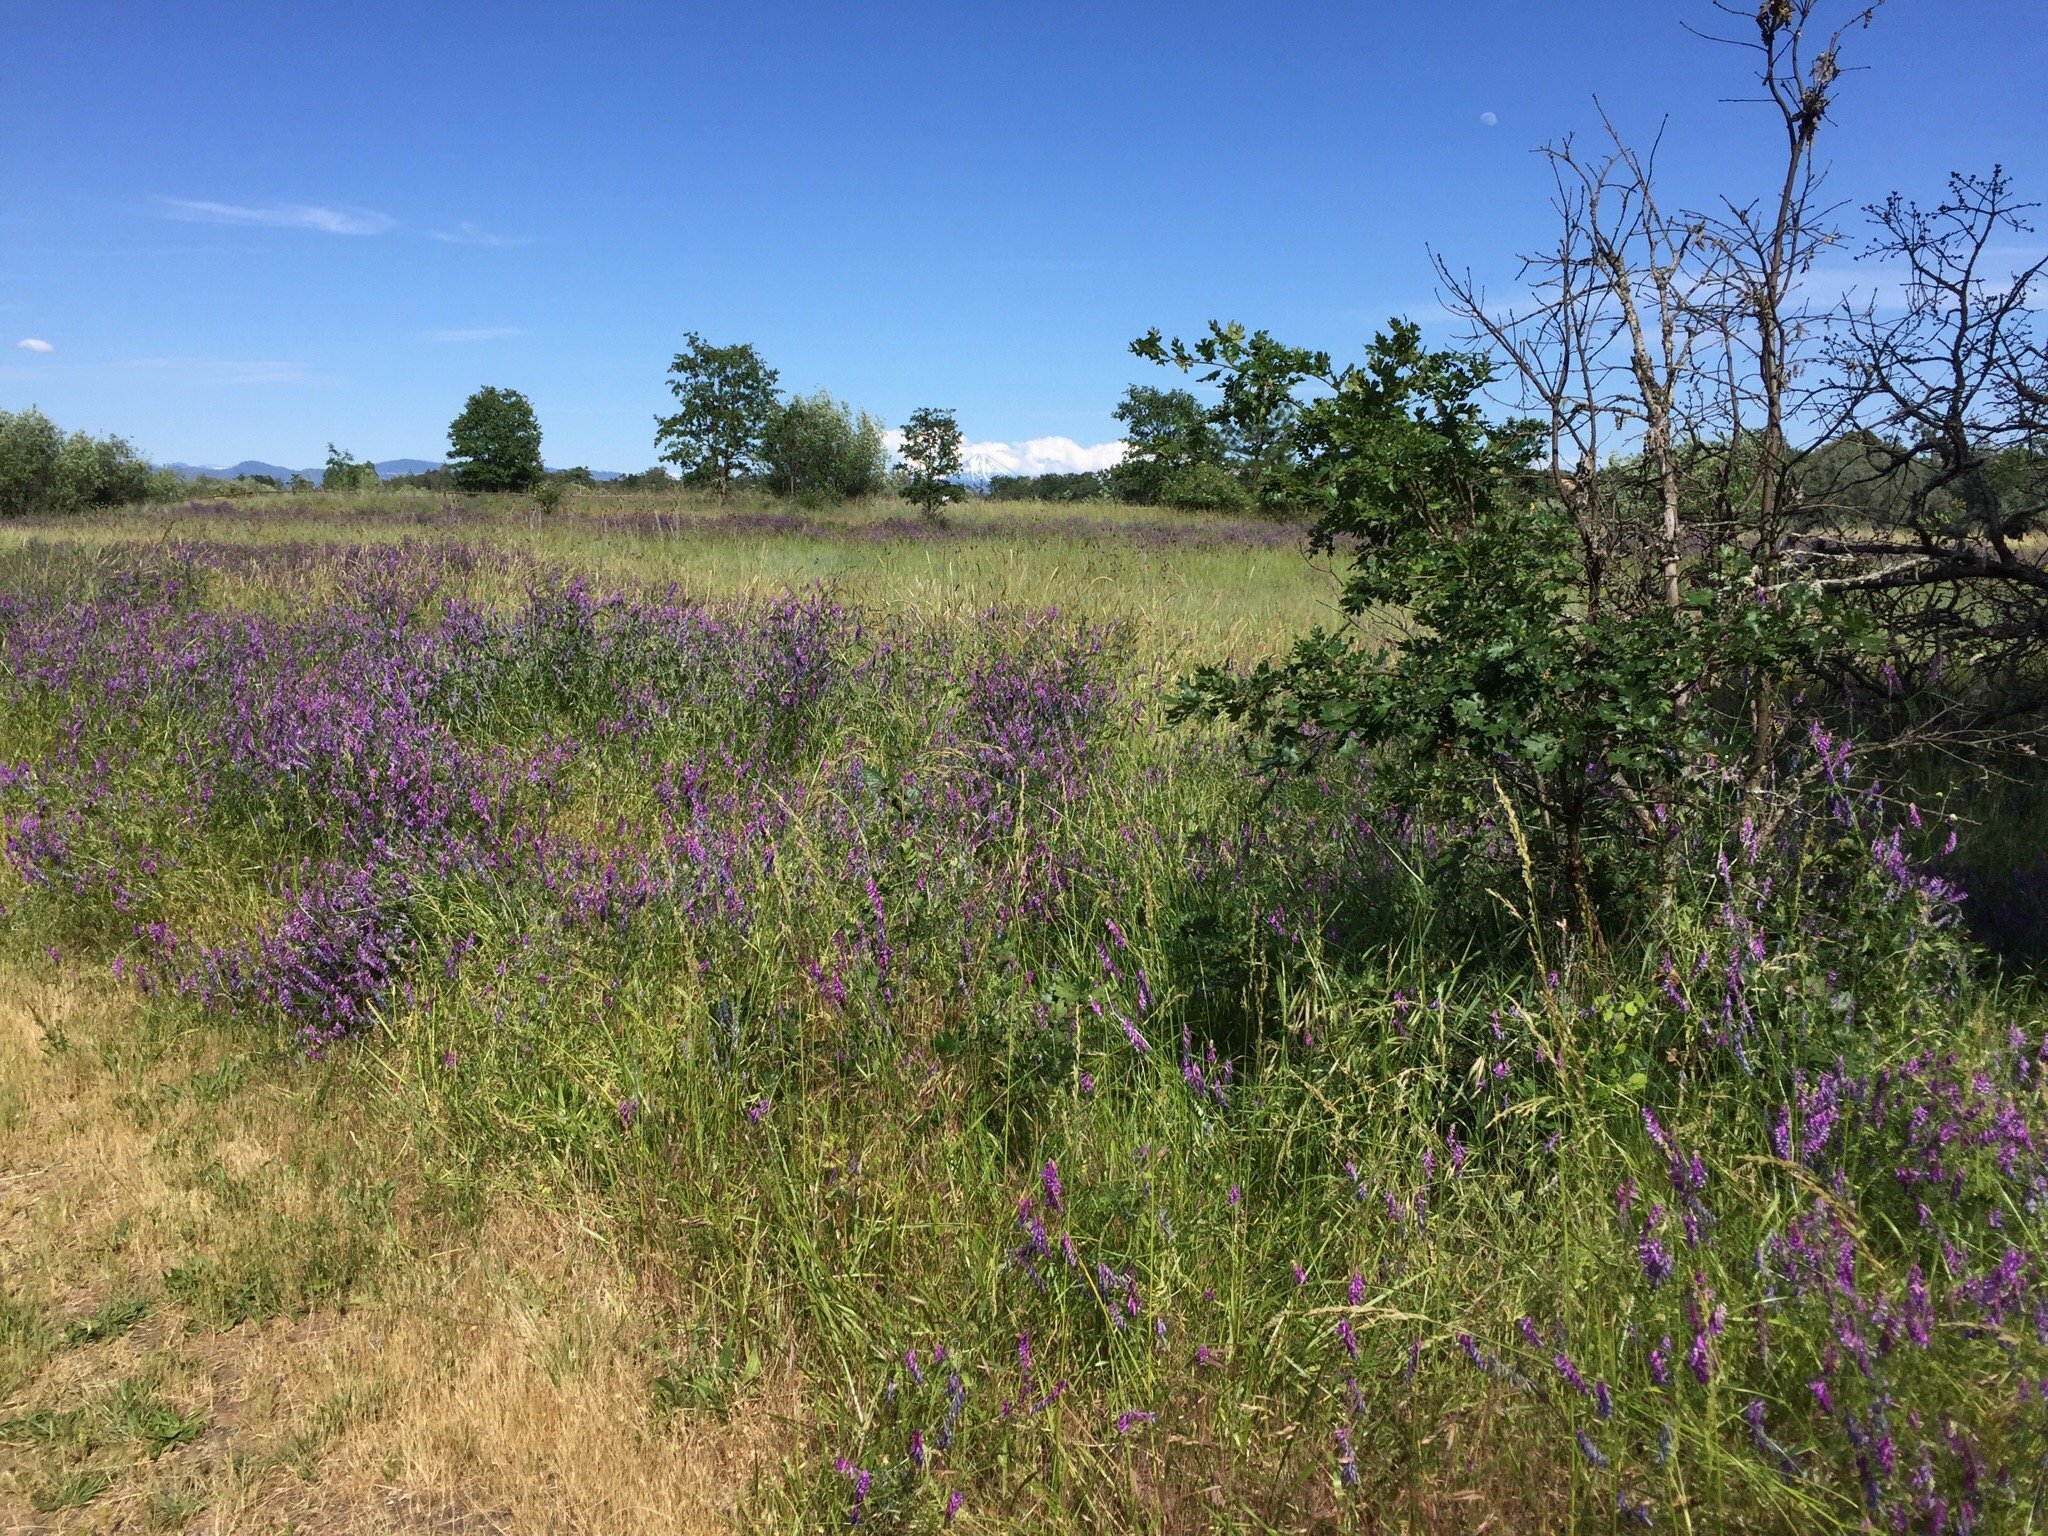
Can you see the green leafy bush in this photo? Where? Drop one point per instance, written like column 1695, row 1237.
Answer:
column 819, row 450
column 43, row 470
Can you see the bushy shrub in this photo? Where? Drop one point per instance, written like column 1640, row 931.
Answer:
column 1202, row 486
column 819, row 449
column 43, row 470
column 345, row 472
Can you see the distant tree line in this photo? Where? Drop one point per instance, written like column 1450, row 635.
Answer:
column 1083, row 485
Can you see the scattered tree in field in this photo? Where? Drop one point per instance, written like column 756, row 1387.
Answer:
column 1592, row 637
column 1931, row 521
column 345, row 473
column 494, row 445
column 1232, row 454
column 44, row 470
column 931, row 457
column 726, row 403
column 818, row 449
column 1174, row 457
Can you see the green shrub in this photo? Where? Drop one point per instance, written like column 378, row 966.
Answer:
column 821, row 449
column 42, row 470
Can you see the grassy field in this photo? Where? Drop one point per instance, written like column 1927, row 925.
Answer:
column 1192, row 585
column 670, row 1017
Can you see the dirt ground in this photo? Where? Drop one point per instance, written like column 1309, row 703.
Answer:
column 229, row 1303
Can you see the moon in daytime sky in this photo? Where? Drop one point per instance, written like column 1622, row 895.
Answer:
column 1488, row 119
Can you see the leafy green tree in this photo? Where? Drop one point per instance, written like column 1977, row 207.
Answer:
column 726, row 403
column 43, row 470
column 29, row 447
column 1168, row 434
column 494, row 445
column 819, row 449
column 1249, row 432
column 931, row 457
column 1505, row 669
column 345, row 473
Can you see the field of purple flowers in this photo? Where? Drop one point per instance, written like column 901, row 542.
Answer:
column 1103, row 1139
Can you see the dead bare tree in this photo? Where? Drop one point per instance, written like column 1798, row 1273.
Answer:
column 1670, row 350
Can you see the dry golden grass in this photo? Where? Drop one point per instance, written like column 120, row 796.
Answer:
column 227, row 1306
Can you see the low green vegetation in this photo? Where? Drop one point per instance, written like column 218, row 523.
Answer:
column 888, row 982
column 1514, row 1020
column 44, row 469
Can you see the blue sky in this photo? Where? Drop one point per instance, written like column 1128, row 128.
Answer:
column 246, row 230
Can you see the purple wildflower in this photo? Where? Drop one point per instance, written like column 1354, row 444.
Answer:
column 1593, row 1454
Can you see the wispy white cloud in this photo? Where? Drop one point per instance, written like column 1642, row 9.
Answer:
column 1036, row 456
column 33, row 344
column 478, row 333
column 467, row 233
column 312, row 216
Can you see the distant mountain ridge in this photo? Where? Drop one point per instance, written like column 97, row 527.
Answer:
column 387, row 469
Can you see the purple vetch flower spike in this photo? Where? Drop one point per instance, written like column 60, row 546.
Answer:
column 1660, row 1363
column 953, row 1502
column 629, row 1111
column 1300, row 1275
column 1593, row 1454
column 1235, row 1195
column 1138, row 1042
column 758, row 1110
column 1656, row 1132
column 1054, row 1192
column 1656, row 1260
column 1570, row 1373
column 1347, row 1338
column 1347, row 1460
column 1355, row 1292
column 917, row 1449
column 1819, row 1389
column 1603, row 1402
column 1130, row 1419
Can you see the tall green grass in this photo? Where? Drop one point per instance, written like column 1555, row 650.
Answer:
column 1174, row 1151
